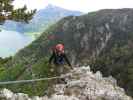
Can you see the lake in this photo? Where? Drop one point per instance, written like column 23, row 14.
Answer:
column 11, row 42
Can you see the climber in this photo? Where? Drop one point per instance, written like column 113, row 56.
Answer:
column 59, row 57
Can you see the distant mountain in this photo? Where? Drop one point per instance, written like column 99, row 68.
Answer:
column 41, row 20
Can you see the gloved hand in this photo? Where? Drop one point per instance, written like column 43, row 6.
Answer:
column 71, row 67
column 51, row 70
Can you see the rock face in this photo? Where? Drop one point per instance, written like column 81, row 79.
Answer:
column 82, row 84
column 85, row 37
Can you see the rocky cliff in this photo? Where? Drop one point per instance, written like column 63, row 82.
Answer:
column 84, row 36
column 81, row 84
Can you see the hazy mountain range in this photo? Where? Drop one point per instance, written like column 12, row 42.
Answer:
column 41, row 20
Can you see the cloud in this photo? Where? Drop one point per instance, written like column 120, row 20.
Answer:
column 81, row 5
column 92, row 5
column 31, row 4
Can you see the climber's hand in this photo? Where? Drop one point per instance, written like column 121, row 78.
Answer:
column 71, row 67
column 51, row 70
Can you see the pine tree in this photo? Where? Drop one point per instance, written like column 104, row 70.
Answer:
column 7, row 12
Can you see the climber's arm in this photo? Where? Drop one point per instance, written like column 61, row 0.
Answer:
column 51, row 58
column 68, row 62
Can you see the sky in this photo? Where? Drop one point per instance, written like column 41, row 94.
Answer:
column 79, row 5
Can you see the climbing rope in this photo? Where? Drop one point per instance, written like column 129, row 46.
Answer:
column 33, row 80
column 36, row 80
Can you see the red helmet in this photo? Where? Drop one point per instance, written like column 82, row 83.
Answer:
column 59, row 47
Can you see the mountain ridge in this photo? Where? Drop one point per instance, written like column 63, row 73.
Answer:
column 102, row 39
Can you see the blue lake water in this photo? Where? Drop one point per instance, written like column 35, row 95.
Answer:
column 11, row 42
